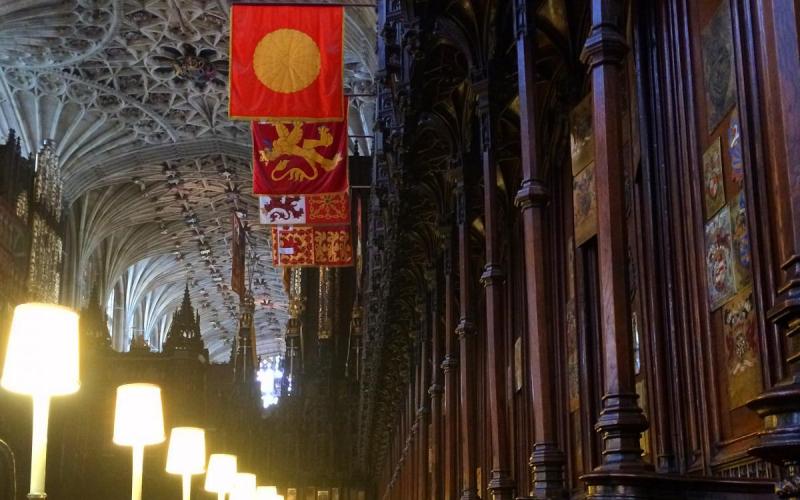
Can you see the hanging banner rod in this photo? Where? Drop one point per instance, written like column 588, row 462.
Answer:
column 342, row 3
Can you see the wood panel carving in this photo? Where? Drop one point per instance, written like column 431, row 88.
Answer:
column 681, row 269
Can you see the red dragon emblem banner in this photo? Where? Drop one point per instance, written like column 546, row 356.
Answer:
column 238, row 249
column 299, row 158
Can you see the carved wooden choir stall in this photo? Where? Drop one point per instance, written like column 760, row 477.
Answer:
column 583, row 253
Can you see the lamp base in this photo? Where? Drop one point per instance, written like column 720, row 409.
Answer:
column 35, row 496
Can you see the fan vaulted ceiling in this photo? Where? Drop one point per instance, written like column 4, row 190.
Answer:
column 134, row 95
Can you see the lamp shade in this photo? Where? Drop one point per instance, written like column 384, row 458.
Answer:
column 221, row 474
column 42, row 356
column 187, row 451
column 244, row 487
column 266, row 493
column 139, row 418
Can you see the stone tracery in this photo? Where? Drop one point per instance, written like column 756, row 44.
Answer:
column 135, row 98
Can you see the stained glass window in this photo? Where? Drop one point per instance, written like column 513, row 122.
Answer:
column 270, row 375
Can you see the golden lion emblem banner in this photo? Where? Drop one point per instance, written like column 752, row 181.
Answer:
column 299, row 158
column 286, row 62
column 305, row 209
column 307, row 246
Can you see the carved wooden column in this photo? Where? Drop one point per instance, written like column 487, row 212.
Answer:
column 403, row 490
column 392, row 470
column 398, row 447
column 466, row 336
column 423, row 410
column 547, row 459
column 450, row 371
column 411, row 441
column 500, row 484
column 621, row 419
column 780, row 67
column 435, row 391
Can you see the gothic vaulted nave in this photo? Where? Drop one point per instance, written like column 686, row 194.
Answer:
column 399, row 249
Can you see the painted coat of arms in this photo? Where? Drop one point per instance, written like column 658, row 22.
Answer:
column 573, row 375
column 741, row 241
column 581, row 134
column 741, row 348
column 713, row 179
column 735, row 150
column 584, row 201
column 719, row 259
column 718, row 64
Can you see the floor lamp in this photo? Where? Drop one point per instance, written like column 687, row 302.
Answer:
column 267, row 493
column 138, row 422
column 186, row 455
column 42, row 361
column 221, row 474
column 244, row 487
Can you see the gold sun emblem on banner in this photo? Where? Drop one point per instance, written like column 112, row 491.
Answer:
column 286, row 60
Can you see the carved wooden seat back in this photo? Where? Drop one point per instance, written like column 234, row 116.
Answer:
column 8, row 477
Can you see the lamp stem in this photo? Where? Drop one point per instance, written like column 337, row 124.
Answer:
column 187, row 487
column 138, row 466
column 221, row 495
column 41, row 410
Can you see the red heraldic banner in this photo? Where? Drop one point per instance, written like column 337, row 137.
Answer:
column 286, row 62
column 299, row 158
column 302, row 209
column 238, row 245
column 305, row 246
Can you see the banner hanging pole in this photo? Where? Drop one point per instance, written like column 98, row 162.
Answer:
column 335, row 3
